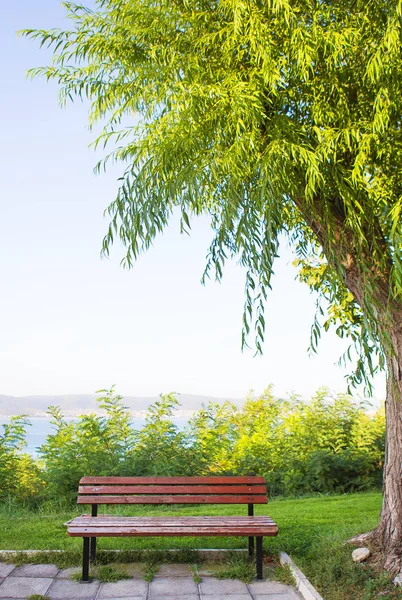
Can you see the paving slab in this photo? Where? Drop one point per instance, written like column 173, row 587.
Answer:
column 212, row 586
column 275, row 597
column 64, row 588
column 186, row 597
column 67, row 573
column 172, row 586
column 35, row 571
column 176, row 570
column 21, row 587
column 228, row 597
column 136, row 570
column 171, row 582
column 5, row 569
column 126, row 588
column 209, row 569
column 267, row 587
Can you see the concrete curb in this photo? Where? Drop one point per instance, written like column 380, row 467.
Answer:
column 302, row 583
column 206, row 553
column 29, row 552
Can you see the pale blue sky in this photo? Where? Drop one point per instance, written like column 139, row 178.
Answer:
column 71, row 322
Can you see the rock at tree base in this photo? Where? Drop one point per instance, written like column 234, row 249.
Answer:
column 360, row 554
column 398, row 579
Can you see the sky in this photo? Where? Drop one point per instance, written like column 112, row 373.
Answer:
column 72, row 322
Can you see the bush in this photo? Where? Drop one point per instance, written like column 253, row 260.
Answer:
column 346, row 471
column 20, row 474
column 328, row 445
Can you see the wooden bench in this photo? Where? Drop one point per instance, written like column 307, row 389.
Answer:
column 171, row 490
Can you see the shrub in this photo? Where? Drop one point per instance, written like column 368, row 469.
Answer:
column 328, row 445
column 20, row 474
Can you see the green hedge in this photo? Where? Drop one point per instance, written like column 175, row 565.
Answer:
column 327, row 445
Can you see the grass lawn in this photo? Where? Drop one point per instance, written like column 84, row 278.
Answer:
column 312, row 530
column 302, row 524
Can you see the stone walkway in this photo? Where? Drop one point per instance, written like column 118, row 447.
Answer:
column 171, row 581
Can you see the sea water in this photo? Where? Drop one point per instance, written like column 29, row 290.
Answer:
column 41, row 427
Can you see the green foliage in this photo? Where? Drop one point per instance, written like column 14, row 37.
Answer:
column 196, row 574
column 107, row 444
column 381, row 585
column 238, row 567
column 20, row 474
column 284, row 575
column 96, row 444
column 161, row 448
column 62, row 560
column 104, row 573
column 150, row 570
column 337, row 577
column 211, row 433
column 329, row 445
column 273, row 118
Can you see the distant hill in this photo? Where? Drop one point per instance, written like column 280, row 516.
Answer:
column 76, row 404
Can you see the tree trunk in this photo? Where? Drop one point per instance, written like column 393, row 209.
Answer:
column 389, row 531
column 387, row 537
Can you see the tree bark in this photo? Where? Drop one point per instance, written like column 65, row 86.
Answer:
column 389, row 531
column 387, row 537
column 388, row 534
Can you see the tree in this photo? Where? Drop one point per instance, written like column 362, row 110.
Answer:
column 275, row 117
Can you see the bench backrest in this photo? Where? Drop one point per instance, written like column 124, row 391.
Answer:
column 172, row 490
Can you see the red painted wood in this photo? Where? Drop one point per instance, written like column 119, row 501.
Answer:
column 173, row 489
column 244, row 499
column 161, row 531
column 106, row 520
column 188, row 523
column 173, row 480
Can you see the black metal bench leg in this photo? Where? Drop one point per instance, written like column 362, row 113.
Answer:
column 93, row 540
column 85, row 561
column 250, row 539
column 250, row 547
column 259, row 557
column 93, row 550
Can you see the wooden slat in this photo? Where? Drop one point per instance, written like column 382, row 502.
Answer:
column 116, row 521
column 173, row 480
column 171, row 532
column 246, row 499
column 173, row 489
column 159, row 519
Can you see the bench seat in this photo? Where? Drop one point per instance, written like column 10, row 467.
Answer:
column 115, row 526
